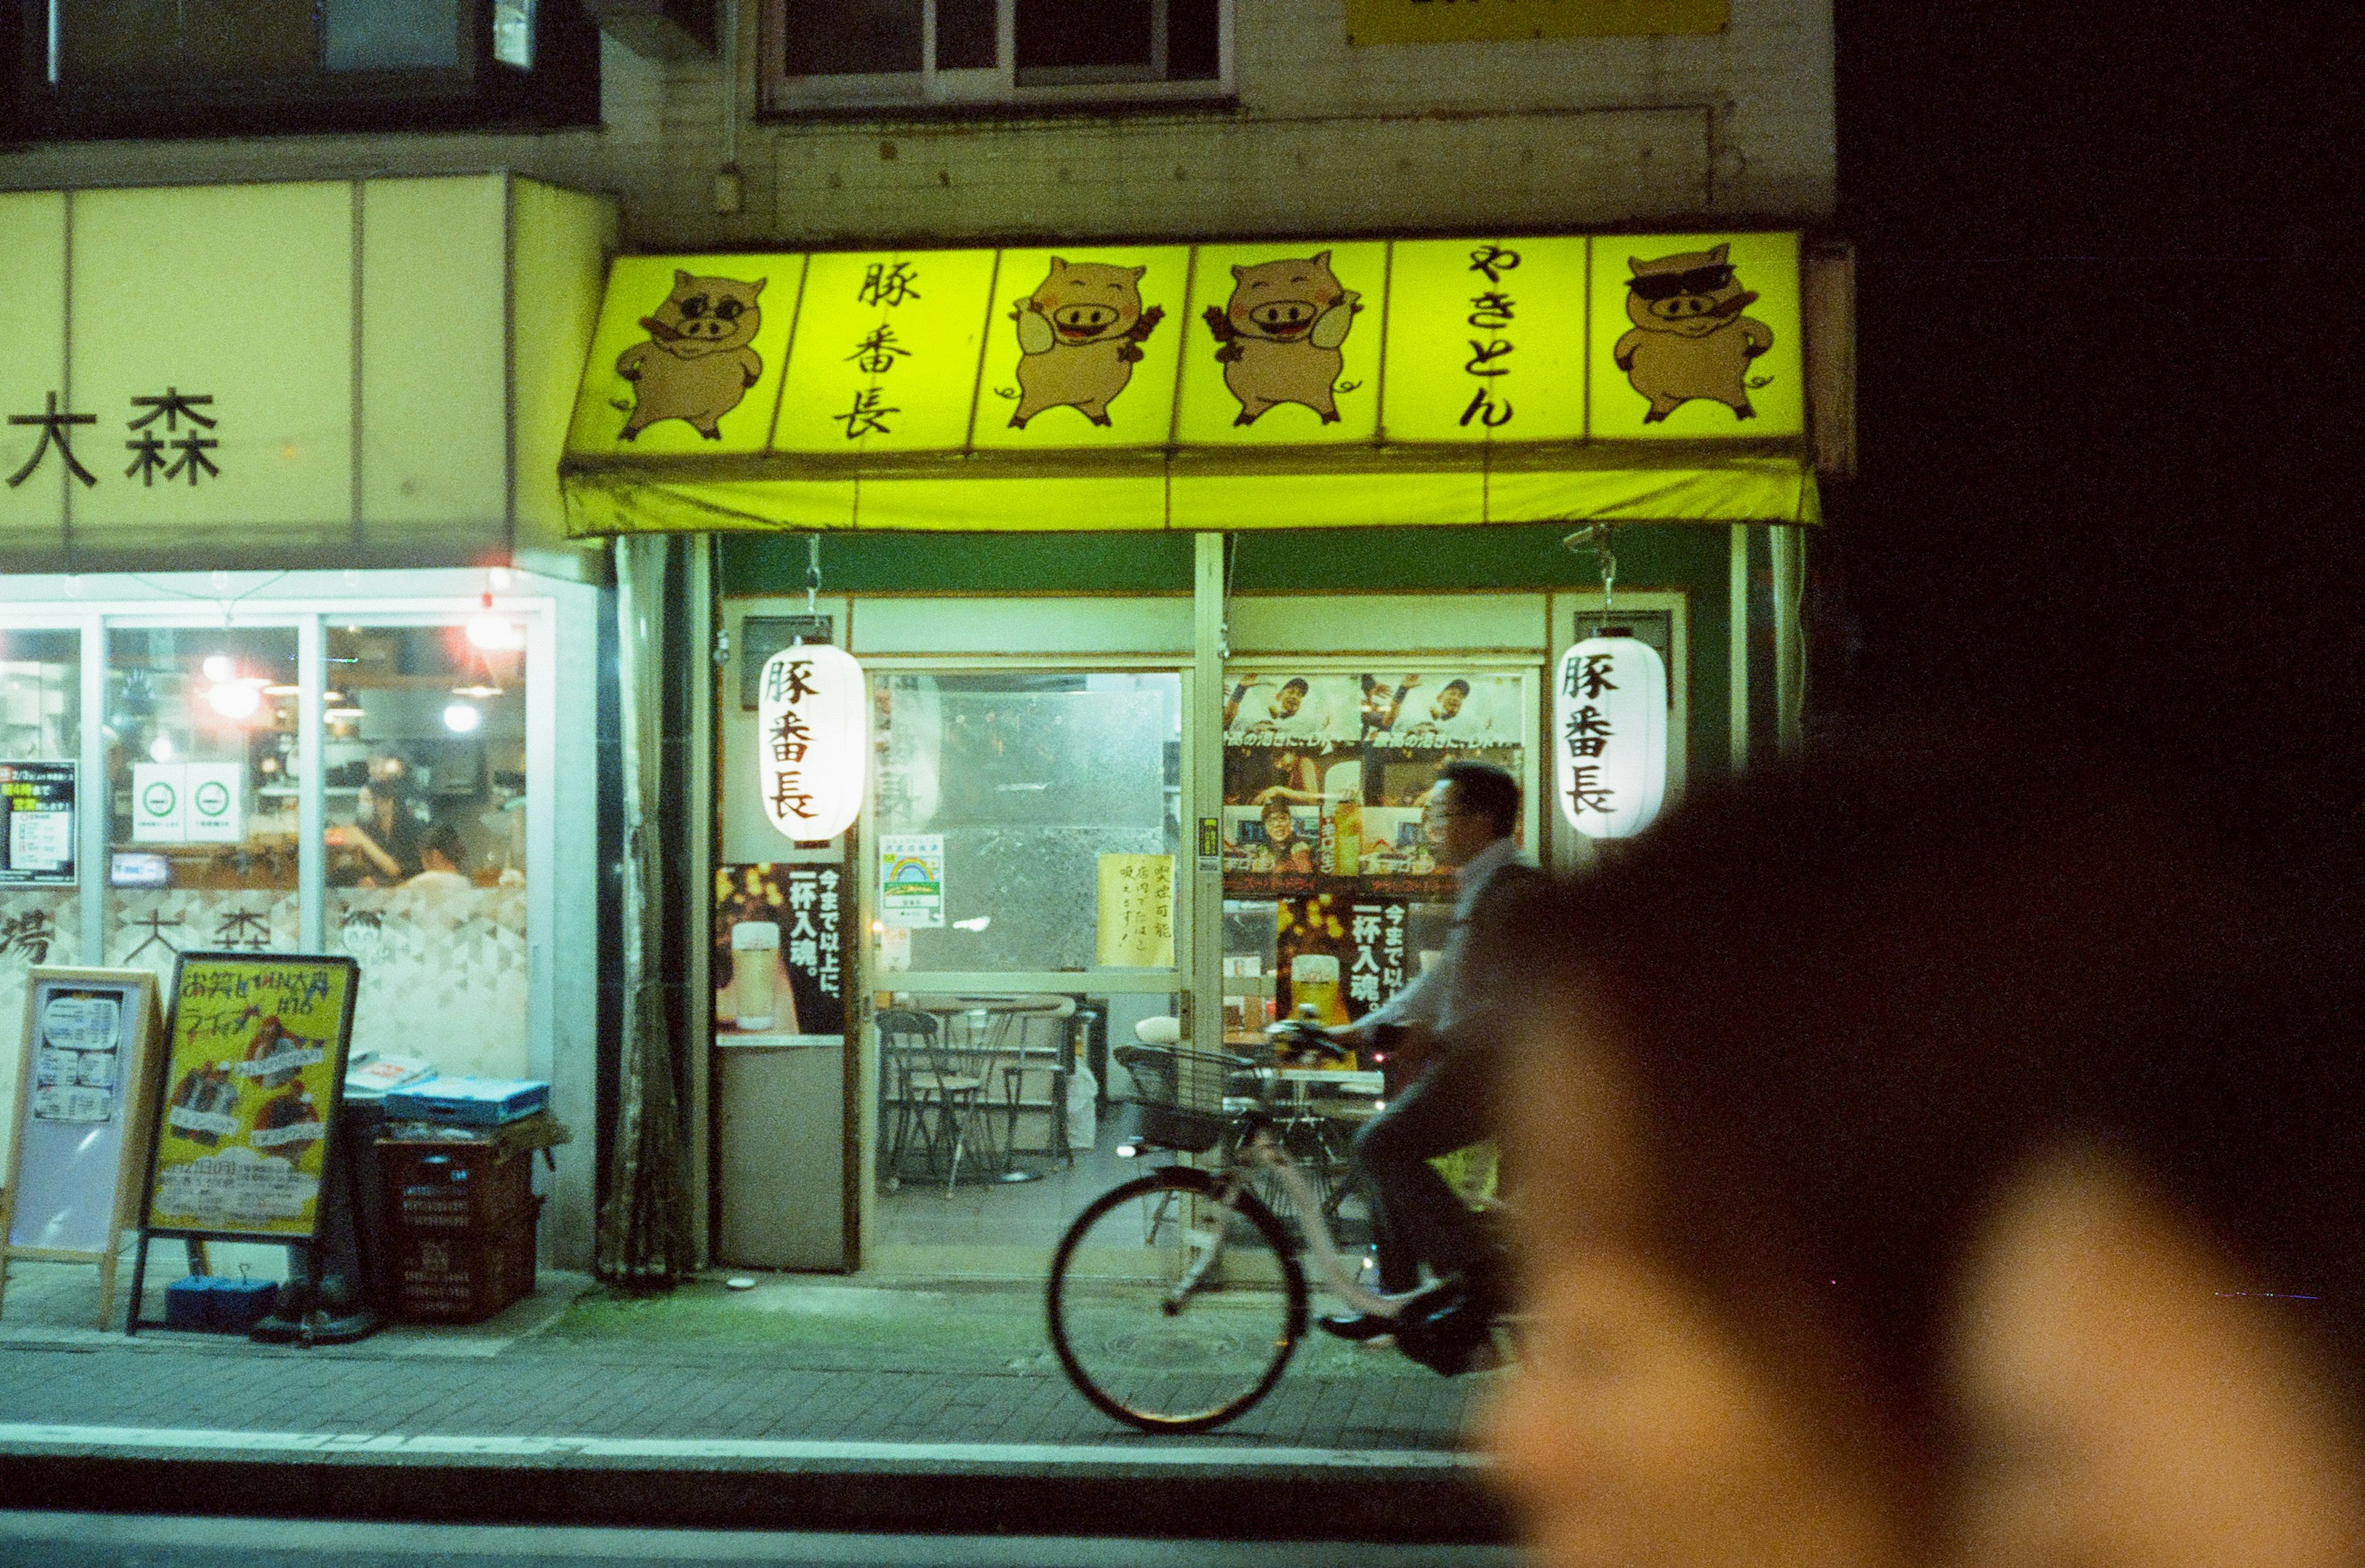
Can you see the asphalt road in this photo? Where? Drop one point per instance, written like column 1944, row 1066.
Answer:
column 108, row 1541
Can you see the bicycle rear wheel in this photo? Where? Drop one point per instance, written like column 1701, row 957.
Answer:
column 1172, row 1308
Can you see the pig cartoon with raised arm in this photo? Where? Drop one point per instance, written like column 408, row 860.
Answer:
column 695, row 365
column 1080, row 335
column 1280, row 336
column 1690, row 339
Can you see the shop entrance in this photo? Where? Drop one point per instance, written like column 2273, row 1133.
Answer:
column 1022, row 882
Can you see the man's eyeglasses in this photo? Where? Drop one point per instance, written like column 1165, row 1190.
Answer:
column 1666, row 286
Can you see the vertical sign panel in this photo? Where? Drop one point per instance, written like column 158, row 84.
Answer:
column 886, row 357
column 688, row 356
column 1283, row 345
column 1486, row 340
column 1697, row 335
column 1080, row 348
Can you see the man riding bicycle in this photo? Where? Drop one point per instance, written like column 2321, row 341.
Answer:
column 1472, row 821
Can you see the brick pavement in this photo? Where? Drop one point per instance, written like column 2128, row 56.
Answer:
column 677, row 1420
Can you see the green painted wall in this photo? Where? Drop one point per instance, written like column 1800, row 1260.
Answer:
column 1692, row 560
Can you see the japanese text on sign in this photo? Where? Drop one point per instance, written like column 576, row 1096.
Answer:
column 1137, row 911
column 170, row 454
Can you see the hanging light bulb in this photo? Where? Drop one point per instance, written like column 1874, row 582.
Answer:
column 235, row 699
column 494, row 632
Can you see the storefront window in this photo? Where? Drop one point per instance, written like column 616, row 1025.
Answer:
column 422, row 758
column 1331, row 900
column 1028, row 821
column 40, row 736
column 202, row 786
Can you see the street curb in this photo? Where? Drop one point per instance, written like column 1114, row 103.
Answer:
column 1246, row 1502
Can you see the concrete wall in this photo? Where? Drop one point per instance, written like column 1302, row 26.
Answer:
column 1325, row 139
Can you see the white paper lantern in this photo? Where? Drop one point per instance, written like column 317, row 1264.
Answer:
column 814, row 741
column 1609, row 736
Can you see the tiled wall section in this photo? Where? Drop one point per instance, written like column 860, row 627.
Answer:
column 1326, row 139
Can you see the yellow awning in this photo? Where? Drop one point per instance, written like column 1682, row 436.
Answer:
column 1431, row 382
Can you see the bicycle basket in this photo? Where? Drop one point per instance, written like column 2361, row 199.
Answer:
column 1182, row 1093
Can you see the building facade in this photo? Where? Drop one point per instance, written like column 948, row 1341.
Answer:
column 1214, row 132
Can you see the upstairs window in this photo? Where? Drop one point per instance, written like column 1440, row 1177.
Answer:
column 230, row 67
column 852, row 54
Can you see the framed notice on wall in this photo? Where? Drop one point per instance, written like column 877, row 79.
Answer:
column 36, row 824
column 252, row 1075
column 78, row 1145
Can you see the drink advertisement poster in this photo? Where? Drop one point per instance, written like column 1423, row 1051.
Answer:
column 255, row 1067
column 780, row 948
column 1326, row 776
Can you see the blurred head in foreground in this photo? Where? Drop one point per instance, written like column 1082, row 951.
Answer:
column 1924, row 1160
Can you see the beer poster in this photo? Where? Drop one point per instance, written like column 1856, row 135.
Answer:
column 1327, row 773
column 254, row 1069
column 780, row 948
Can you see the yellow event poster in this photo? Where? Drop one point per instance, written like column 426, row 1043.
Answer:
column 257, row 1061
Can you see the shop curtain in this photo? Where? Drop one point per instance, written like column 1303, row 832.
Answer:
column 645, row 1228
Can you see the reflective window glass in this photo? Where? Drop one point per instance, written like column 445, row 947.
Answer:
column 423, row 766
column 40, row 736
column 202, row 786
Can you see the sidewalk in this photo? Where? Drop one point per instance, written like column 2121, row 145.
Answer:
column 836, row 1404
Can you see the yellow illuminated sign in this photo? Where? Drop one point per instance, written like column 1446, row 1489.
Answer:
column 1486, row 340
column 1284, row 343
column 1696, row 335
column 823, row 361
column 1082, row 346
column 886, row 353
column 689, row 355
column 1455, row 21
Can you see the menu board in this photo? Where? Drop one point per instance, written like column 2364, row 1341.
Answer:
column 36, row 824
column 1326, row 778
column 254, row 1067
column 78, row 1144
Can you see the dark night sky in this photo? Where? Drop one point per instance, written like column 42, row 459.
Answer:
column 2111, row 330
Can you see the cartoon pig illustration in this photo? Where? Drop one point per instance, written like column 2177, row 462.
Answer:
column 1691, row 338
column 1080, row 335
column 1280, row 335
column 697, row 364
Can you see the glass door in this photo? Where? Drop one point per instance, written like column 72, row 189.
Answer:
column 1025, row 896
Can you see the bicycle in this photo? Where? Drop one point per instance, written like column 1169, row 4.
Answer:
column 1176, row 1299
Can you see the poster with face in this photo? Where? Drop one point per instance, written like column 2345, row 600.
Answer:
column 1326, row 776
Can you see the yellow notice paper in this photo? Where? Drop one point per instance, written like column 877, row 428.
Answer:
column 1137, row 930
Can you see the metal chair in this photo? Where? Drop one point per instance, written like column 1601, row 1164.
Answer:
column 940, row 1092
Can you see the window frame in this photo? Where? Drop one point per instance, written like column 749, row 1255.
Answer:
column 560, row 89
column 932, row 91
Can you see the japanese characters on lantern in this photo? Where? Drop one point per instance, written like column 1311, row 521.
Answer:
column 813, row 741
column 1609, row 736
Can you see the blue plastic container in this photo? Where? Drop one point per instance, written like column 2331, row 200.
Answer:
column 189, row 1303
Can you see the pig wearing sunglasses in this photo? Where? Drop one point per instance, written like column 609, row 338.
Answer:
column 1691, row 338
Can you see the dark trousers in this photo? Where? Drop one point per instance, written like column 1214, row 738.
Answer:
column 1415, row 1217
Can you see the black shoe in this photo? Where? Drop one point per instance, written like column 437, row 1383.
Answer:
column 1356, row 1326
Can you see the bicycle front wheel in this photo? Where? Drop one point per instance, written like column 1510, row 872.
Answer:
column 1173, row 1308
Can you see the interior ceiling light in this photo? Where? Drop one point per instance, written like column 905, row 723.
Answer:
column 218, row 667
column 463, row 718
column 342, row 715
column 493, row 631
column 281, row 689
column 477, row 693
column 235, row 699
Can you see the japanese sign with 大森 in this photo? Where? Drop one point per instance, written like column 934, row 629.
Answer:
column 256, row 1055
column 1137, row 911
